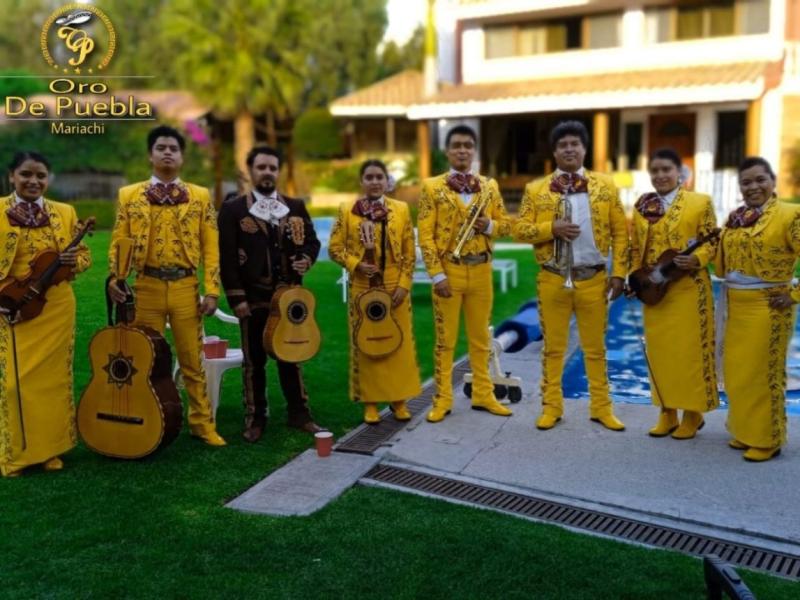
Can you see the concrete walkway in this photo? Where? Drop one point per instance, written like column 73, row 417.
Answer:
column 699, row 485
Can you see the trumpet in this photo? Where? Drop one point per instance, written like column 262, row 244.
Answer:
column 562, row 260
column 467, row 231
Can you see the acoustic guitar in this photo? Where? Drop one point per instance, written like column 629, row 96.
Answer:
column 131, row 407
column 650, row 283
column 376, row 332
column 291, row 333
column 25, row 297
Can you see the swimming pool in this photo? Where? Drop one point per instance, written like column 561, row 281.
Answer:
column 627, row 370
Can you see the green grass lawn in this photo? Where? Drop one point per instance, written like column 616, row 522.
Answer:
column 157, row 528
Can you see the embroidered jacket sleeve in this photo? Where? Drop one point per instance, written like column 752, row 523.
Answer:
column 409, row 251
column 121, row 230
column 311, row 243
column 338, row 248
column 708, row 222
column 793, row 239
column 619, row 235
column 637, row 244
column 526, row 228
column 426, row 224
column 209, row 245
column 84, row 256
column 501, row 222
column 229, row 254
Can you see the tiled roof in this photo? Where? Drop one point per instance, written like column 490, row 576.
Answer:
column 389, row 97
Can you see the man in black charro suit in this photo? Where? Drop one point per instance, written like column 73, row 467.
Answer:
column 253, row 233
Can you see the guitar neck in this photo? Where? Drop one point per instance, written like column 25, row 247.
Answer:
column 369, row 258
column 699, row 242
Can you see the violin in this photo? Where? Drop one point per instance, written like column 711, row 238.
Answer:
column 24, row 298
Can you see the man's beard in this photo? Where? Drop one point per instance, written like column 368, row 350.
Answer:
column 266, row 186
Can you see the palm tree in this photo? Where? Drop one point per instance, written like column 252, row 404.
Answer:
column 241, row 57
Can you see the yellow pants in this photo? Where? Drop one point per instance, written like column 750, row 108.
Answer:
column 179, row 300
column 472, row 289
column 556, row 306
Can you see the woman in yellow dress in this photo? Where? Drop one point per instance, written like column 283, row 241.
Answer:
column 759, row 250
column 679, row 330
column 393, row 378
column 37, row 421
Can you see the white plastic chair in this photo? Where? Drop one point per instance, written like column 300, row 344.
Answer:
column 215, row 367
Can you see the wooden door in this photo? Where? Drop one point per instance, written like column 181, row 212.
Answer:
column 676, row 131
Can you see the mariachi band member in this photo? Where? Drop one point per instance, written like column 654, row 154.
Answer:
column 37, row 412
column 174, row 228
column 578, row 285
column 757, row 257
column 679, row 330
column 393, row 378
column 460, row 213
column 253, row 240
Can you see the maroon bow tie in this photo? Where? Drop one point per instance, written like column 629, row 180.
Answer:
column 650, row 206
column 370, row 209
column 569, row 183
column 27, row 214
column 162, row 194
column 744, row 216
column 464, row 183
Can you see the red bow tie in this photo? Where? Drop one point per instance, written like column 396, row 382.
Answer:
column 744, row 216
column 162, row 194
column 464, row 183
column 27, row 214
column 650, row 206
column 569, row 183
column 370, row 209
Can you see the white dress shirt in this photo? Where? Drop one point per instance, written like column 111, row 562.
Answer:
column 584, row 250
column 39, row 201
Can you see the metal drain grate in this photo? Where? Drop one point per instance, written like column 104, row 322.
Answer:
column 777, row 563
column 368, row 438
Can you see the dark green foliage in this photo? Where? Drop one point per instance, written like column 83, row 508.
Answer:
column 316, row 135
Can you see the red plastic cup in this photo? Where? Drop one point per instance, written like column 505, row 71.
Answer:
column 324, row 442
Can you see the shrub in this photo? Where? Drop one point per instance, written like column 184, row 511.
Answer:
column 316, row 135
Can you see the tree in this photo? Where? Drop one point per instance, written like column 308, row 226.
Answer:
column 241, row 57
column 395, row 58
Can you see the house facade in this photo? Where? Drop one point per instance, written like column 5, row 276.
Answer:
column 716, row 80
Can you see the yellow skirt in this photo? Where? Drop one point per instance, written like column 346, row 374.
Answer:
column 754, row 363
column 679, row 334
column 391, row 378
column 44, row 348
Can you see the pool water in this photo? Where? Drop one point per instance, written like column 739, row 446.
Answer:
column 627, row 369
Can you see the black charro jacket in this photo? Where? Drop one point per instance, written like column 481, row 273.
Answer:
column 251, row 250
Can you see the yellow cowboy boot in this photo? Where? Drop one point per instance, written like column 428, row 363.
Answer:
column 371, row 415
column 737, row 445
column 609, row 421
column 492, row 406
column 761, row 454
column 667, row 423
column 546, row 421
column 691, row 423
column 54, row 464
column 438, row 411
column 400, row 411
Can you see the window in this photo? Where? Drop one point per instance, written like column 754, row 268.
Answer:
column 603, row 31
column 699, row 20
column 754, row 16
column 527, row 39
column 633, row 143
column 730, row 139
column 500, row 42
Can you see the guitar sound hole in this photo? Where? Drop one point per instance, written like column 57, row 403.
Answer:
column 297, row 312
column 120, row 370
column 376, row 311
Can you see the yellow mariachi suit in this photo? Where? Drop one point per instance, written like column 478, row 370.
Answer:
column 587, row 301
column 441, row 213
column 45, row 369
column 679, row 330
column 395, row 377
column 756, row 336
column 181, row 236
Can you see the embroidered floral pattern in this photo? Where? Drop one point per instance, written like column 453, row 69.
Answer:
column 248, row 225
